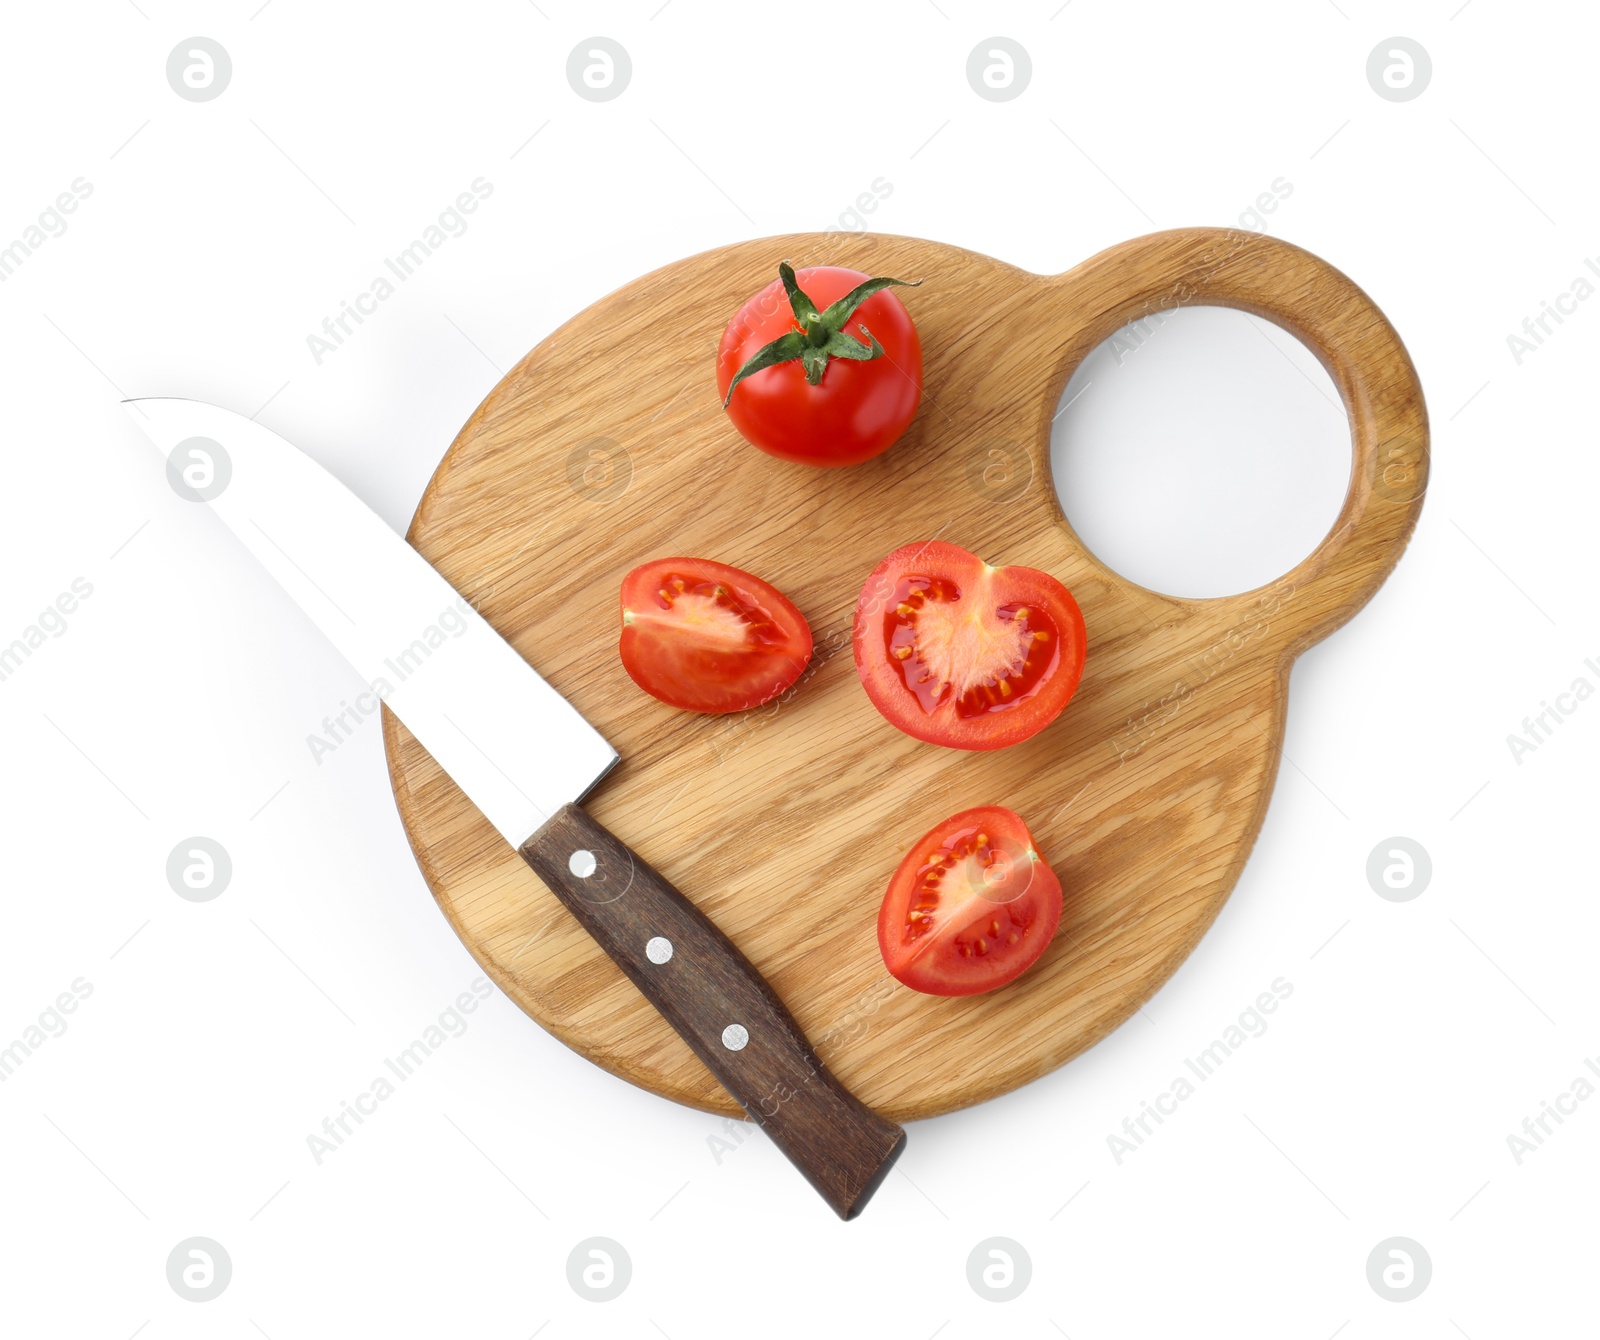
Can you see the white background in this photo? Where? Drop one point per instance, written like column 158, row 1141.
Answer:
column 177, row 701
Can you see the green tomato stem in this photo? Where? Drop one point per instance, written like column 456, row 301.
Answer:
column 821, row 335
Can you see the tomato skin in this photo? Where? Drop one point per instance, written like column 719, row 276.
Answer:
column 960, row 654
column 857, row 410
column 962, row 917
column 707, row 637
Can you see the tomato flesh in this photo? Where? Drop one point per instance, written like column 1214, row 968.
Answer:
column 958, row 653
column 707, row 637
column 972, row 906
column 857, row 410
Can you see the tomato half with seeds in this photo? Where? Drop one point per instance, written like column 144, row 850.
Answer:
column 707, row 637
column 972, row 906
column 958, row 653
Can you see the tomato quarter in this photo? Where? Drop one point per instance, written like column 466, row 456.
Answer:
column 823, row 367
column 958, row 653
column 707, row 637
column 972, row 906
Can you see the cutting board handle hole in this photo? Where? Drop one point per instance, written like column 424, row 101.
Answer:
column 1201, row 451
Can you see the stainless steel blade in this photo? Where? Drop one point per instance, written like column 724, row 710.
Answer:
column 514, row 745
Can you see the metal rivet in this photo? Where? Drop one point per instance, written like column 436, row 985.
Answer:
column 582, row 863
column 658, row 949
column 734, row 1037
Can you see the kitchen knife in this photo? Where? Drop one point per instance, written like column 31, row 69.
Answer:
column 525, row 757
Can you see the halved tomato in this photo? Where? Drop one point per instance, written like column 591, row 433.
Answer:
column 958, row 653
column 709, row 638
column 971, row 907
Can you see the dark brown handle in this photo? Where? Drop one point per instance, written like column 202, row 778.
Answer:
column 720, row 1005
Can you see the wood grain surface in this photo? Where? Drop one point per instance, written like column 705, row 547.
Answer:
column 607, row 445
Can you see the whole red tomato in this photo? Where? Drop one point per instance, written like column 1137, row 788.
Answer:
column 823, row 367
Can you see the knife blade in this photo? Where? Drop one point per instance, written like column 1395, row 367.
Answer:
column 526, row 758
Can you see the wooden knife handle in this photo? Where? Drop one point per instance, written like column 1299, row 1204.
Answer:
column 720, row 1005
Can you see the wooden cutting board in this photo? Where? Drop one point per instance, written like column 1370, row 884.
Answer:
column 607, row 445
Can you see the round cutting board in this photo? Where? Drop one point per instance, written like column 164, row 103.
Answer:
column 607, row 445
